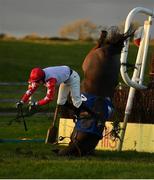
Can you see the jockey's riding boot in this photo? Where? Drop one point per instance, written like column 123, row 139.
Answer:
column 83, row 107
column 63, row 111
column 66, row 110
column 68, row 105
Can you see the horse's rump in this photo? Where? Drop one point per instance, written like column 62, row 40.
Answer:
column 101, row 71
column 101, row 66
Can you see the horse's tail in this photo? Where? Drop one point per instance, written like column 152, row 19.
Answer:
column 129, row 33
column 116, row 39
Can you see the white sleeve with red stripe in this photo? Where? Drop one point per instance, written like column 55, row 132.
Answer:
column 31, row 89
column 51, row 86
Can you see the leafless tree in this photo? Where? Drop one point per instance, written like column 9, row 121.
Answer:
column 81, row 29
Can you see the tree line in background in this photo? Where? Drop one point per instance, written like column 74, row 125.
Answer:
column 82, row 29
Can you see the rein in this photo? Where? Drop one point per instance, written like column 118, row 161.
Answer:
column 20, row 117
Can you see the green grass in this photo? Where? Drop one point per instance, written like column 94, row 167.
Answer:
column 20, row 57
column 36, row 160
column 37, row 127
column 46, row 166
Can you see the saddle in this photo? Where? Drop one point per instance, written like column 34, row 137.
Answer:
column 92, row 124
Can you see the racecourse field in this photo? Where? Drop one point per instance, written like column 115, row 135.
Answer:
column 17, row 58
column 36, row 159
column 30, row 160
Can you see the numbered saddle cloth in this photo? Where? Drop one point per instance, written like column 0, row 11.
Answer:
column 93, row 123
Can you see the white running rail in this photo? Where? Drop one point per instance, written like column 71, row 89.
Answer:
column 138, row 75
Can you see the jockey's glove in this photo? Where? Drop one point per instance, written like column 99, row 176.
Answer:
column 33, row 106
column 19, row 104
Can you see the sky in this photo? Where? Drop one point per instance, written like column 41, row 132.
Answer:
column 46, row 17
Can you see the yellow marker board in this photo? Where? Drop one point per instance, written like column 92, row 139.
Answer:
column 139, row 137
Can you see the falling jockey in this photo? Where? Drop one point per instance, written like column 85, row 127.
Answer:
column 63, row 76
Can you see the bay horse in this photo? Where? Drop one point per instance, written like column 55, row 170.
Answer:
column 101, row 69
